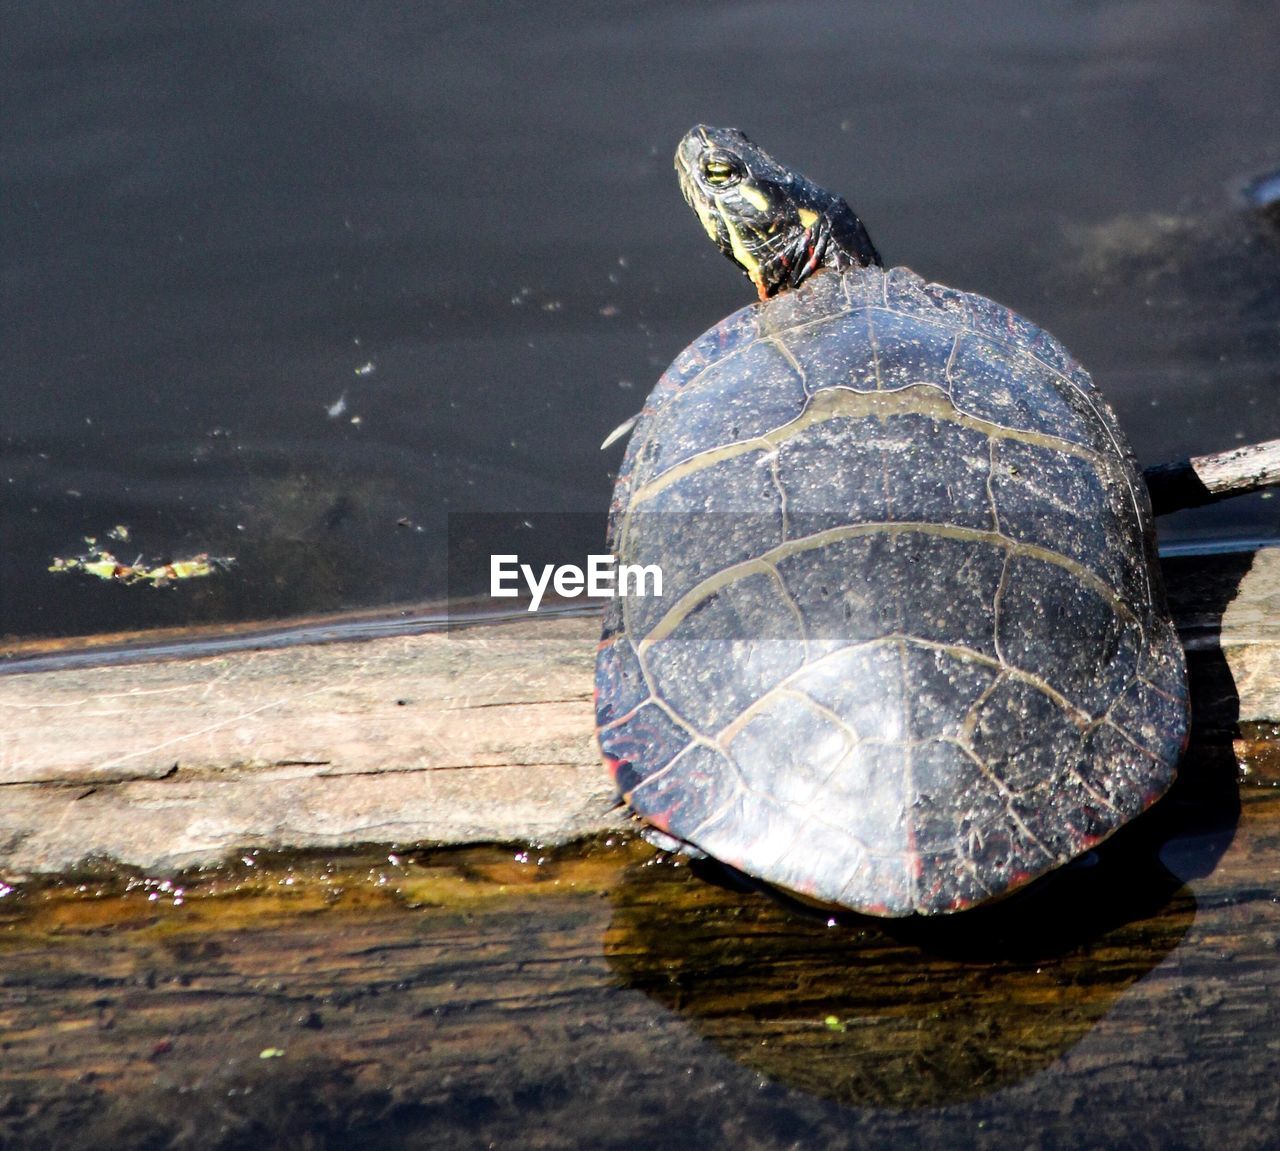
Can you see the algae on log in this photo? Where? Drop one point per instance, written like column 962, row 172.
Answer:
column 479, row 734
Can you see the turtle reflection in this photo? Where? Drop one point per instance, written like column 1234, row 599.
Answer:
column 902, row 1015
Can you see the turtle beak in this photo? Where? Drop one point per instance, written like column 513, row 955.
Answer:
column 682, row 175
column 687, row 153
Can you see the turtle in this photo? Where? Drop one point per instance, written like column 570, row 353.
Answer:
column 911, row 650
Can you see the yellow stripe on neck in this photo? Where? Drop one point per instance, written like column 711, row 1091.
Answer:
column 756, row 198
column 744, row 257
column 708, row 218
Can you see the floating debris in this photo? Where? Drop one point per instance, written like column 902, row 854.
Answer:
column 338, row 407
column 102, row 564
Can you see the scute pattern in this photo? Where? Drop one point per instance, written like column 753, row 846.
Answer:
column 912, row 649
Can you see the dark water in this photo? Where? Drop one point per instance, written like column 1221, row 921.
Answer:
column 290, row 284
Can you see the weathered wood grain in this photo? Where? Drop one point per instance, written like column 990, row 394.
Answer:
column 479, row 734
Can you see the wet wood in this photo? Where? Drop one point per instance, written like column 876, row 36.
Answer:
column 480, row 734
column 484, row 996
column 1204, row 479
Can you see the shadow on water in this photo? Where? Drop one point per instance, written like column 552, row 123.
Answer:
column 905, row 1015
column 917, row 1013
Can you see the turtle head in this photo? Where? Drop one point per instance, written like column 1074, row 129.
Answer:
column 774, row 224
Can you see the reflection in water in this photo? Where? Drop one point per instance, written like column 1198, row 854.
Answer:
column 601, row 997
column 903, row 1015
column 918, row 1013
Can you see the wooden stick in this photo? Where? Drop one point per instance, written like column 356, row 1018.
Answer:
column 1204, row 479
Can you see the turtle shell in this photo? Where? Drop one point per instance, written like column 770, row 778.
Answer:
column 911, row 649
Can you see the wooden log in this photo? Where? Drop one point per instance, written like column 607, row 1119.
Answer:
column 480, row 734
column 483, row 734
column 1205, row 479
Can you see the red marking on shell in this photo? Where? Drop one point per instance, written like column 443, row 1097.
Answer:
column 1151, row 797
column 660, row 819
column 622, row 719
column 805, row 887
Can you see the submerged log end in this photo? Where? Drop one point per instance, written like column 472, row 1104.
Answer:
column 1205, row 479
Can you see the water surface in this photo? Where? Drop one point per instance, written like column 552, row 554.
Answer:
column 289, row 286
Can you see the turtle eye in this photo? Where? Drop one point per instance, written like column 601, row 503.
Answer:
column 720, row 173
